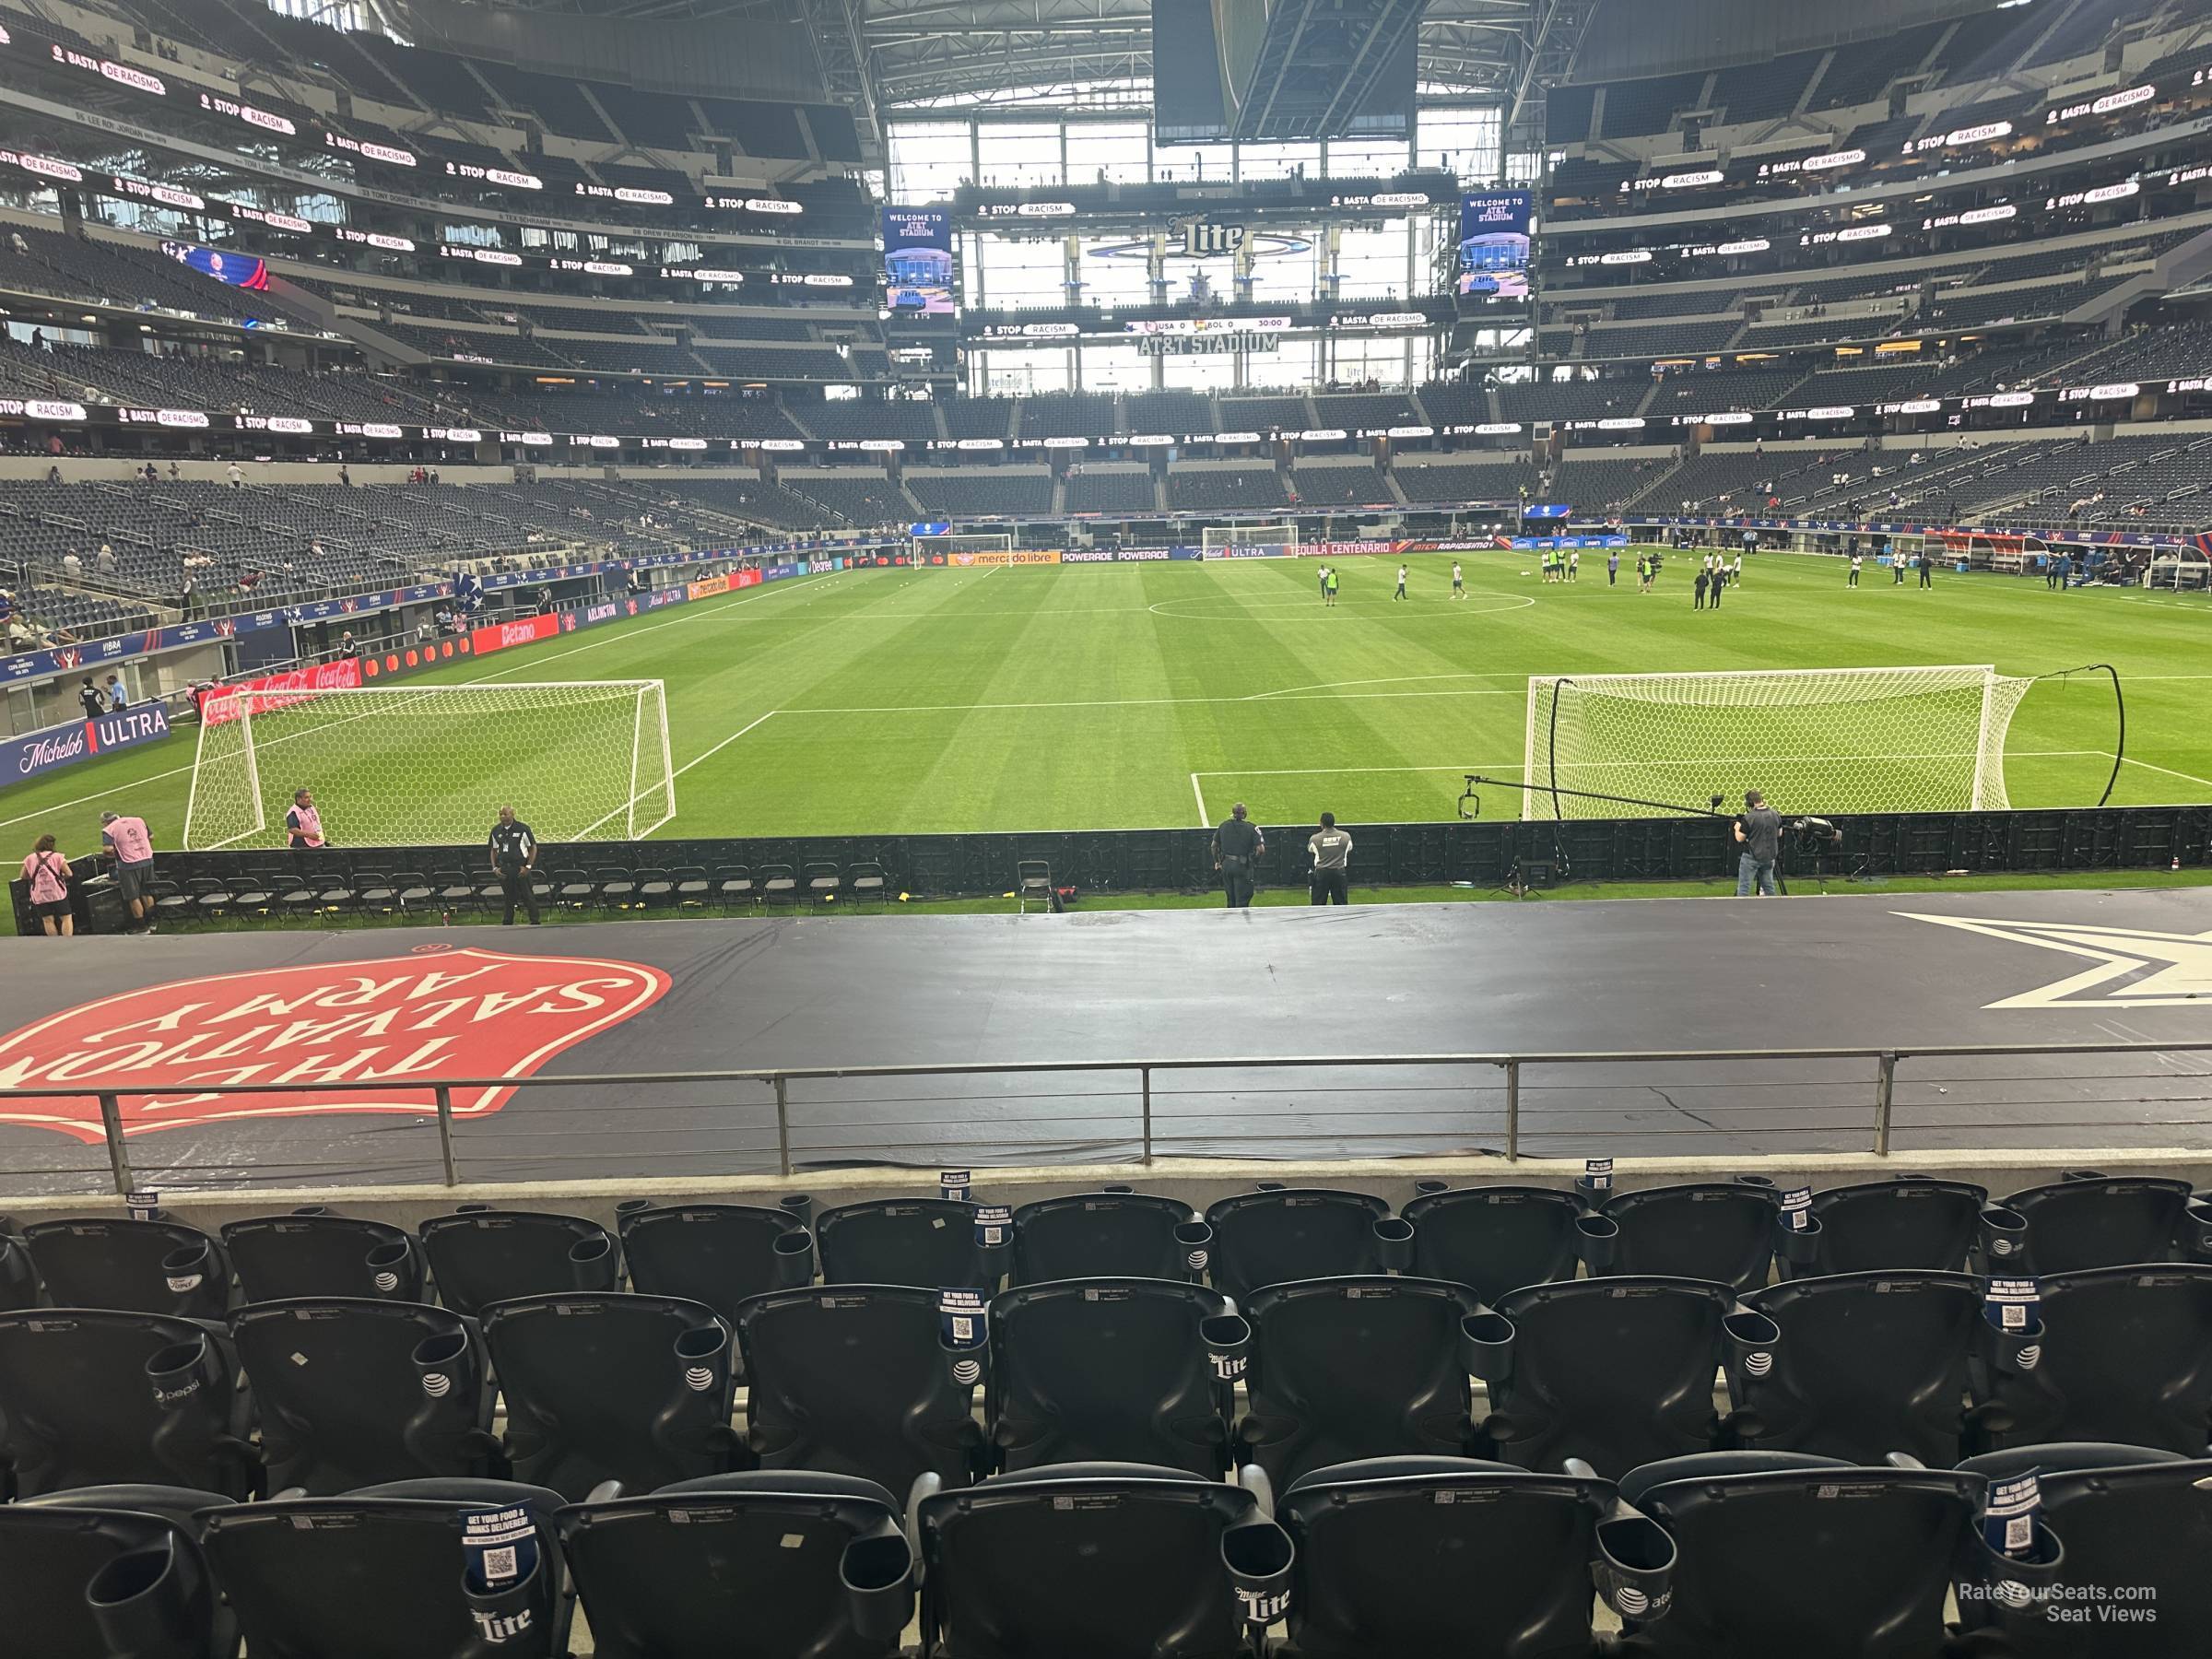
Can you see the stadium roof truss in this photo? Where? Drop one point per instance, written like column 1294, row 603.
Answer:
column 925, row 53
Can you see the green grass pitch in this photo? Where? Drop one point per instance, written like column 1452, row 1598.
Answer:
column 1123, row 696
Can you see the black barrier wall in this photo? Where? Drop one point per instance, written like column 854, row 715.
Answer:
column 1481, row 853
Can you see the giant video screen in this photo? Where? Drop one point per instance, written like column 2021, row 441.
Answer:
column 1493, row 244
column 917, row 260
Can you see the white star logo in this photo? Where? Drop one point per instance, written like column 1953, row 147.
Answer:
column 2153, row 969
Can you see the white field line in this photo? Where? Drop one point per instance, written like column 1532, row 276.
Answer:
column 1200, row 795
column 2169, row 770
column 725, row 743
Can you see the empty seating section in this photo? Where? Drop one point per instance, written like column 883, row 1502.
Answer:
column 1065, row 414
column 1216, row 488
column 52, row 262
column 1454, row 402
column 1445, row 481
column 1570, row 399
column 997, row 492
column 850, row 497
column 1266, row 415
column 868, row 418
column 1094, row 489
column 1763, row 92
column 1646, row 106
column 1170, row 412
column 1358, row 485
column 1865, row 72
column 1723, row 390
column 1138, row 1428
column 1657, row 340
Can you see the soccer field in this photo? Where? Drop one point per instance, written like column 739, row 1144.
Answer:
column 1129, row 696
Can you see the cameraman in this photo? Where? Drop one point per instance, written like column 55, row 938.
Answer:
column 1759, row 831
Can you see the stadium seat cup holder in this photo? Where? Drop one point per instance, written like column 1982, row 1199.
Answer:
column 1393, row 1243
column 1750, row 1340
column 1599, row 1240
column 1798, row 1246
column 392, row 1269
column 1227, row 1338
column 2018, row 1353
column 1485, row 1346
column 142, row 1606
column 595, row 1263
column 1634, row 1567
column 192, row 1271
column 798, row 1203
column 1195, row 1239
column 877, row 1577
column 794, row 1251
column 2003, row 1238
column 1259, row 1555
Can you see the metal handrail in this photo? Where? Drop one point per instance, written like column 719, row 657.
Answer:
column 779, row 1079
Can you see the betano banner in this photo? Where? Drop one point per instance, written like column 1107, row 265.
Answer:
column 707, row 587
column 520, row 631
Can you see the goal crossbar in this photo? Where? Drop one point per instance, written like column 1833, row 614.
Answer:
column 425, row 765
column 1824, row 741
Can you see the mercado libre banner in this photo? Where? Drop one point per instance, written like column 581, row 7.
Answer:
column 66, row 745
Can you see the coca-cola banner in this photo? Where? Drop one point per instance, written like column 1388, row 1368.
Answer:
column 220, row 705
column 60, row 746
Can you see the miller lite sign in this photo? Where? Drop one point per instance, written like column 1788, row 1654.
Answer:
column 1203, row 239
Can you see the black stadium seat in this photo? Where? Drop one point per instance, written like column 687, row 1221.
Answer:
column 1865, row 1364
column 2125, row 1356
column 393, row 1570
column 18, row 1279
column 146, row 1267
column 110, row 1570
column 620, row 1386
column 1721, row 1231
column 1495, row 1239
column 927, row 1241
column 2129, row 1522
column 1108, row 1235
column 1279, row 1234
column 855, row 1379
column 1364, row 1366
column 96, row 1397
column 715, row 1254
column 766, row 1563
column 353, row 1391
column 313, row 1253
column 481, row 1255
column 1098, row 1561
column 1780, row 1553
column 1913, row 1222
column 2093, row 1221
column 1615, row 1371
column 1445, row 1554
column 1114, row 1370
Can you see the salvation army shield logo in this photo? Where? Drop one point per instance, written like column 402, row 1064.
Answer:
column 384, row 1029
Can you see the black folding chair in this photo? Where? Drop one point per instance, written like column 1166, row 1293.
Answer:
column 617, row 887
column 693, row 886
column 824, row 883
column 656, row 888
column 867, row 881
column 779, row 885
column 734, row 885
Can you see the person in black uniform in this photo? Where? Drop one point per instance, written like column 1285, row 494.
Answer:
column 1237, row 845
column 514, row 857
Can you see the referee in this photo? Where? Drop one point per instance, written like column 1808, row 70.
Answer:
column 514, row 857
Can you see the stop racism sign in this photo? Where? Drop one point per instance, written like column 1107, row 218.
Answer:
column 385, row 1028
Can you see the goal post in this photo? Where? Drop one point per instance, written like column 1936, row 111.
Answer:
column 431, row 765
column 968, row 548
column 1278, row 540
column 1814, row 740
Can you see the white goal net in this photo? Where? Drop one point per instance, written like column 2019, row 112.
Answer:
column 1218, row 541
column 968, row 548
column 1815, row 740
column 432, row 765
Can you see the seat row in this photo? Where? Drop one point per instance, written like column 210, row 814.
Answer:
column 1738, row 1555
column 1493, row 1239
column 323, row 1395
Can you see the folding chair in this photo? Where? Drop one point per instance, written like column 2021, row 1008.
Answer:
column 655, row 887
column 572, row 890
column 172, row 902
column 823, row 884
column 1032, row 883
column 733, row 884
column 617, row 887
column 692, row 885
column 210, row 898
column 454, row 891
column 375, row 893
column 867, row 878
column 415, row 890
column 779, row 885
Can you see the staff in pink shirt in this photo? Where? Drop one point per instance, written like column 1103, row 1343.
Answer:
column 48, row 873
column 131, row 845
column 303, row 824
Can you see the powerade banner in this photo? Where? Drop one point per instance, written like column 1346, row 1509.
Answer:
column 917, row 260
column 63, row 746
column 1493, row 244
column 1126, row 555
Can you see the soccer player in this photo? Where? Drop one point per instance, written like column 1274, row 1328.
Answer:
column 1574, row 565
column 1643, row 572
column 1325, row 584
column 513, row 856
column 1927, row 568
column 1897, row 567
column 1401, row 592
column 1333, row 575
column 303, row 824
column 1704, row 580
column 1853, row 582
column 1613, row 567
column 1459, row 582
column 1736, row 571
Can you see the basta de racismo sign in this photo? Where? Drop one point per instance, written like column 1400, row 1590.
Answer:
column 393, row 1024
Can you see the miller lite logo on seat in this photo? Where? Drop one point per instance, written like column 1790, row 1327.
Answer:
column 1203, row 239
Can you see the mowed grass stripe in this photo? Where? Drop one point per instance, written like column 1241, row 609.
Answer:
column 1040, row 697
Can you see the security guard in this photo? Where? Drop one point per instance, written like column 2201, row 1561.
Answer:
column 514, row 857
column 1237, row 845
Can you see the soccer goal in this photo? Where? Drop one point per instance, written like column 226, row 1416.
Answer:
column 430, row 765
column 967, row 548
column 1222, row 541
column 1815, row 740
